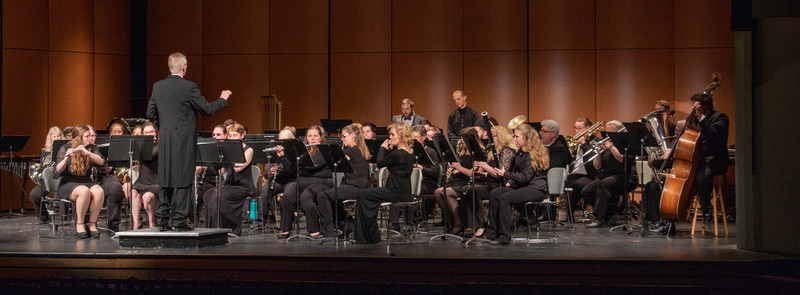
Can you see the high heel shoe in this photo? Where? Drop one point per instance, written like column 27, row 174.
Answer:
column 81, row 235
column 456, row 230
column 480, row 232
column 93, row 233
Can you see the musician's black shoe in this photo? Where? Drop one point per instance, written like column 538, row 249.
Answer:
column 395, row 227
column 163, row 228
column 595, row 224
column 707, row 218
column 182, row 228
column 283, row 235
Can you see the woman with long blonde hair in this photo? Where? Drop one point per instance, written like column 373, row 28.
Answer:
column 357, row 155
column 45, row 160
column 524, row 182
column 75, row 162
column 397, row 155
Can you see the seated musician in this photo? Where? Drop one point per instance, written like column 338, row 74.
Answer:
column 68, row 132
column 145, row 189
column 430, row 173
column 310, row 182
column 713, row 126
column 611, row 179
column 357, row 155
column 277, row 177
column 663, row 105
column 558, row 152
column 45, row 160
column 525, row 182
column 207, row 177
column 397, row 155
column 237, row 186
column 581, row 170
column 506, row 148
column 458, row 182
column 111, row 184
column 75, row 163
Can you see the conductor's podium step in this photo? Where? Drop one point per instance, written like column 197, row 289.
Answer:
column 152, row 238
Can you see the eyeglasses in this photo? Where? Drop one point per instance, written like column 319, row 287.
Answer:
column 345, row 135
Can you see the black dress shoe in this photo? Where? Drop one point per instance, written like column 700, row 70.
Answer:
column 317, row 237
column 163, row 227
column 395, row 227
column 707, row 218
column 83, row 235
column 94, row 234
column 283, row 235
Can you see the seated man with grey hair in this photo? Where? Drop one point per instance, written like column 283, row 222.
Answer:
column 555, row 143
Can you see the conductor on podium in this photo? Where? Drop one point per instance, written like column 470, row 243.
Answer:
column 173, row 103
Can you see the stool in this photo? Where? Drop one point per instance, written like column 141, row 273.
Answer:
column 716, row 197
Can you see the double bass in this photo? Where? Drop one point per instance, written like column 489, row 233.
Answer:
column 678, row 190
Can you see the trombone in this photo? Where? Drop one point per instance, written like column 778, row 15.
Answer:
column 596, row 147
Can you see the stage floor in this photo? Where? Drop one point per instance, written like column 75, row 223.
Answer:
column 560, row 258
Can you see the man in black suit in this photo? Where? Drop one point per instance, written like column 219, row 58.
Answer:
column 408, row 115
column 714, row 140
column 462, row 117
column 555, row 143
column 173, row 103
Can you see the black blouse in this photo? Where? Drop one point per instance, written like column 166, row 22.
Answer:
column 400, row 163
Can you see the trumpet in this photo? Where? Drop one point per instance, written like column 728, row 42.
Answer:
column 572, row 142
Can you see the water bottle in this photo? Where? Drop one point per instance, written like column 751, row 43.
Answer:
column 253, row 209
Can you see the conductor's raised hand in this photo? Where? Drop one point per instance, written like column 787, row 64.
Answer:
column 225, row 94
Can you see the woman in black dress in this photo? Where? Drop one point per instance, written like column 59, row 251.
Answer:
column 236, row 188
column 76, row 161
column 524, row 182
column 358, row 155
column 458, row 184
column 311, row 181
column 146, row 187
column 397, row 155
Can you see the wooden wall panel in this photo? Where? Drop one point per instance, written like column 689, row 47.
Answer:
column 175, row 25
column 496, row 82
column 70, row 88
column 247, row 76
column 236, row 27
column 495, row 25
column 703, row 23
column 428, row 78
column 562, row 87
column 18, row 15
column 693, row 71
column 630, row 81
column 25, row 96
column 634, row 24
column 298, row 26
column 361, row 26
column 427, row 25
column 301, row 83
column 361, row 87
column 112, row 27
column 112, row 88
column 567, row 24
column 71, row 25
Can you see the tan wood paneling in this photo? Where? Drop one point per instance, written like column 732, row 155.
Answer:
column 495, row 25
column 70, row 88
column 236, row 27
column 175, row 25
column 24, row 85
column 112, row 27
column 634, row 24
column 298, row 26
column 301, row 82
column 427, row 25
column 693, row 71
column 562, row 86
column 112, row 88
column 361, row 87
column 496, row 82
column 567, row 24
column 630, row 81
column 71, row 25
column 703, row 23
column 247, row 76
column 18, row 15
column 361, row 26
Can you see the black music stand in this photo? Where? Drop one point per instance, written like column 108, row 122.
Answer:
column 11, row 144
column 420, row 156
column 478, row 155
column 123, row 150
column 448, row 155
column 338, row 163
column 646, row 139
column 298, row 155
column 263, row 152
column 335, row 124
column 220, row 154
column 374, row 146
column 628, row 143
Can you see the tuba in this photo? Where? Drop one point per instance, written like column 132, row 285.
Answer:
column 572, row 142
column 656, row 122
column 518, row 120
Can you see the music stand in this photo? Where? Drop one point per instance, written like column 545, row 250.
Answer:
column 646, row 139
column 220, row 154
column 335, row 124
column 124, row 149
column 296, row 152
column 338, row 163
column 448, row 155
column 374, row 146
column 478, row 155
column 629, row 144
column 420, row 156
column 11, row 144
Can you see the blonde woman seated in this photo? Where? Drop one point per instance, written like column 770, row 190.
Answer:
column 76, row 160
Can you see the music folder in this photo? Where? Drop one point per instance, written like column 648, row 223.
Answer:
column 420, row 156
column 444, row 148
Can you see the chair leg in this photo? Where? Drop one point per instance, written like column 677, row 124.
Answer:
column 696, row 209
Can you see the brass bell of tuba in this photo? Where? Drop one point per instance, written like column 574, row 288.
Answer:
column 518, row 120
